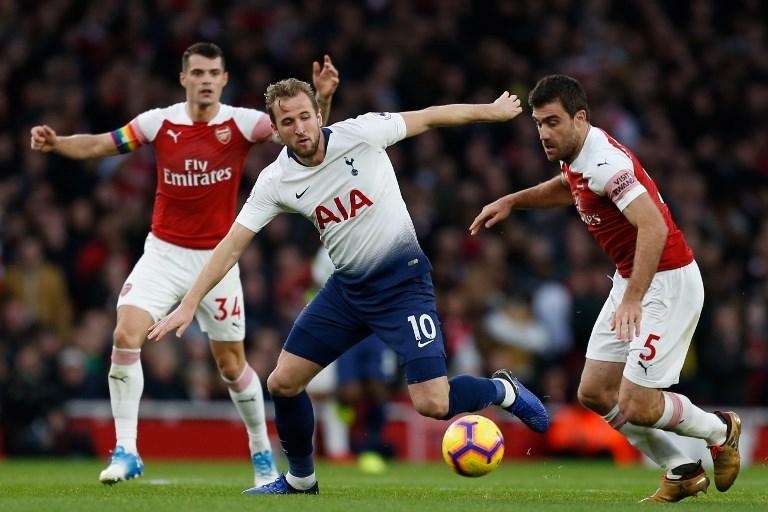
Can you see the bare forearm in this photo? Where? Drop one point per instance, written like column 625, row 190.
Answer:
column 458, row 114
column 85, row 146
column 648, row 249
column 223, row 258
column 549, row 194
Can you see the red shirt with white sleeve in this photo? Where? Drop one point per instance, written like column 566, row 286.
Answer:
column 199, row 166
column 604, row 179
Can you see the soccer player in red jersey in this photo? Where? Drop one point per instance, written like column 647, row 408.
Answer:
column 200, row 147
column 641, row 337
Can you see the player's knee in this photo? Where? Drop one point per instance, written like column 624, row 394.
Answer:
column 128, row 338
column 280, row 384
column 432, row 406
column 229, row 365
column 637, row 411
column 596, row 399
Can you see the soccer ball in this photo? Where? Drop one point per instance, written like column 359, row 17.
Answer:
column 473, row 446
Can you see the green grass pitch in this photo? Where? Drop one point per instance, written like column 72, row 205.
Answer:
column 563, row 485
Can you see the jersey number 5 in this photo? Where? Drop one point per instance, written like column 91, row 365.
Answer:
column 651, row 349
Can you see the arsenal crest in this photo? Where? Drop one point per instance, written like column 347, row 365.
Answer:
column 126, row 288
column 224, row 134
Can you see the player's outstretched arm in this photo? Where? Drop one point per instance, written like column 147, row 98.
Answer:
column 325, row 79
column 506, row 107
column 549, row 194
column 223, row 258
column 652, row 233
column 43, row 138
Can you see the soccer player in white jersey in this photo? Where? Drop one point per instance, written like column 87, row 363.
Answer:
column 200, row 147
column 640, row 339
column 341, row 179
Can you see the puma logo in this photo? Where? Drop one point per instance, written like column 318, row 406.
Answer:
column 645, row 368
column 246, row 400
column 122, row 379
column 174, row 135
column 351, row 162
column 603, row 163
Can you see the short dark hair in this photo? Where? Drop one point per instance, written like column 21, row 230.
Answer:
column 288, row 88
column 567, row 90
column 208, row 50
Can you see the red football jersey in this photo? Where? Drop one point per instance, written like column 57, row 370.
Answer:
column 604, row 179
column 199, row 166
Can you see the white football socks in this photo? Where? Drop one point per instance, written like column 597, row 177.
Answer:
column 335, row 431
column 682, row 417
column 509, row 397
column 655, row 444
column 301, row 483
column 126, row 383
column 248, row 397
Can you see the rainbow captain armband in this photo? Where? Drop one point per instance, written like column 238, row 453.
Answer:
column 127, row 138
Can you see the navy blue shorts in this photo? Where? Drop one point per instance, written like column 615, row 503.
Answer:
column 403, row 316
column 363, row 361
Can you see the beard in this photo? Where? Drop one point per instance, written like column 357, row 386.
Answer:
column 310, row 151
column 565, row 152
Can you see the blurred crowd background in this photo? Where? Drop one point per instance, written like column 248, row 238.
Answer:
column 682, row 84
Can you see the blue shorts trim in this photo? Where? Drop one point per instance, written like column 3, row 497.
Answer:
column 302, row 343
column 424, row 369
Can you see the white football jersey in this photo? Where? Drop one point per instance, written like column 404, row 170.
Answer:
column 352, row 198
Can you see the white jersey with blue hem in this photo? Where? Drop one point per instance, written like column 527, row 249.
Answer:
column 353, row 199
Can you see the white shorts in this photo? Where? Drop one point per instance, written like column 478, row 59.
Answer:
column 671, row 309
column 163, row 275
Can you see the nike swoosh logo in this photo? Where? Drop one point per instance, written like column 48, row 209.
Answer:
column 298, row 196
column 422, row 345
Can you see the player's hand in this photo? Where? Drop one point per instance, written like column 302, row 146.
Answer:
column 179, row 319
column 325, row 78
column 42, row 138
column 506, row 107
column 491, row 214
column 626, row 320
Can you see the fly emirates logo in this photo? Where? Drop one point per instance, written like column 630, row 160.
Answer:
column 196, row 174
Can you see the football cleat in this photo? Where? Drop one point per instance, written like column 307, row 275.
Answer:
column 122, row 466
column 526, row 406
column 675, row 490
column 726, row 456
column 264, row 470
column 281, row 486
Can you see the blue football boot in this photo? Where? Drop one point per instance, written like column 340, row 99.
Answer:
column 526, row 406
column 281, row 486
column 264, row 470
column 122, row 466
